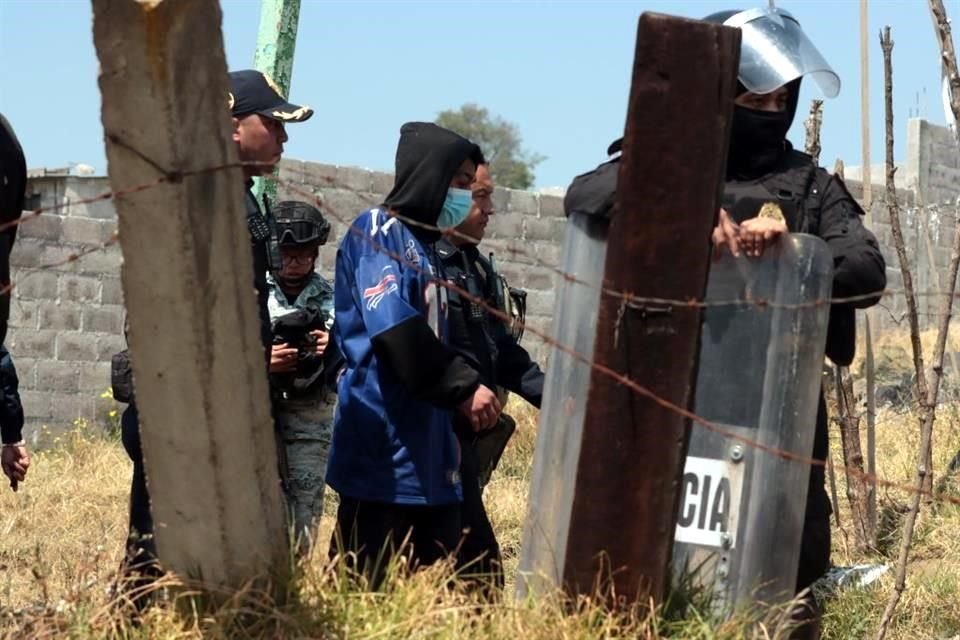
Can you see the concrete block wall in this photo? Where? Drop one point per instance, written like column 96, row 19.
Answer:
column 66, row 315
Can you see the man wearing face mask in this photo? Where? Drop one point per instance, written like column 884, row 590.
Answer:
column 772, row 189
column 492, row 347
column 394, row 458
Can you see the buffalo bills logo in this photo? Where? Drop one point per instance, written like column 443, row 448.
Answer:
column 387, row 285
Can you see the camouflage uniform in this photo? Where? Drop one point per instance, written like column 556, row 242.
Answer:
column 305, row 418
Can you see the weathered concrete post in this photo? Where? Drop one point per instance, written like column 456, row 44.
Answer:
column 609, row 461
column 208, row 442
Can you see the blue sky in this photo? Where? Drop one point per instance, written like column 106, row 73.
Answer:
column 559, row 70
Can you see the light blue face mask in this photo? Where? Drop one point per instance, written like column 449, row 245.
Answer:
column 455, row 208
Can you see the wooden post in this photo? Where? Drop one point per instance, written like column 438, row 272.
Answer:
column 276, row 44
column 871, row 488
column 617, row 520
column 207, row 434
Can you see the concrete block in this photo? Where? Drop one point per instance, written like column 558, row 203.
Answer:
column 38, row 344
column 549, row 254
column 59, row 377
column 86, row 231
column 382, row 183
column 342, row 206
column 23, row 314
column 94, row 377
column 289, row 171
column 524, row 202
column 540, row 303
column 319, row 175
column 354, row 179
column 108, row 260
column 67, row 408
column 60, row 316
column 540, row 279
column 107, row 345
column 26, row 371
column 76, row 347
column 551, row 207
column 111, row 291
column 508, row 226
column 107, row 319
column 27, row 252
column 547, row 229
column 501, row 200
column 100, row 209
column 46, row 226
column 80, row 288
column 36, row 404
column 36, row 285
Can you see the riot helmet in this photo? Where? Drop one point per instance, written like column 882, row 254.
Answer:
column 774, row 51
column 300, row 224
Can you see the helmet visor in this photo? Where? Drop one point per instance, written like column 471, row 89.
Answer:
column 775, row 51
column 299, row 232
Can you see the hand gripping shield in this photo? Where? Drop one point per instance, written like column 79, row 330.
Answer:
column 744, row 490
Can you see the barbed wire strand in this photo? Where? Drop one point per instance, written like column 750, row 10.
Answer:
column 497, row 313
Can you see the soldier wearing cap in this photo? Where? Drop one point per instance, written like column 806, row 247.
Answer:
column 259, row 112
column 302, row 371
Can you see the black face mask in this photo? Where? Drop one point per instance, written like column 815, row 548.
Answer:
column 756, row 141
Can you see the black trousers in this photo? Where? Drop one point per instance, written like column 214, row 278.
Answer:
column 373, row 532
column 478, row 556
column 140, row 566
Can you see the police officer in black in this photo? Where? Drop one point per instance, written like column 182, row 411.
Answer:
column 492, row 346
column 259, row 112
column 772, row 189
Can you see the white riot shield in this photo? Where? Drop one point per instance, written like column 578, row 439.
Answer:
column 742, row 507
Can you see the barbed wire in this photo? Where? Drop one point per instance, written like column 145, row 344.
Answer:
column 628, row 299
column 626, row 380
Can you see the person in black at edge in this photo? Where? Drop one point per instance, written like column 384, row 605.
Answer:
column 259, row 112
column 490, row 346
column 763, row 167
column 14, row 458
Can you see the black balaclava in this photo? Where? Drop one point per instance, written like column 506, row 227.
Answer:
column 428, row 157
column 758, row 138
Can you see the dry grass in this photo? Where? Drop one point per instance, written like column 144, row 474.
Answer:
column 61, row 540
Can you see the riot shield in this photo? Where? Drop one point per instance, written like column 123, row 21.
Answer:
column 566, row 388
column 742, row 506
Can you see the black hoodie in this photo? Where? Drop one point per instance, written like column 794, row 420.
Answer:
column 428, row 157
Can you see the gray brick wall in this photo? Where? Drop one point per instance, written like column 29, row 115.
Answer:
column 66, row 315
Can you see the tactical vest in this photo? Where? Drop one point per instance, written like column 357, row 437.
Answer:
column 797, row 189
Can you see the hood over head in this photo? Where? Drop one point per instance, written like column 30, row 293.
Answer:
column 428, row 158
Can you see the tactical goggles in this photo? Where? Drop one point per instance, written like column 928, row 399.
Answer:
column 300, row 232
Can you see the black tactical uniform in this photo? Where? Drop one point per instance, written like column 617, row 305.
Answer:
column 491, row 348
column 13, row 183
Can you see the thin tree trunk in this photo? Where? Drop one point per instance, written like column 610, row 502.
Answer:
column 871, row 488
column 927, row 395
column 852, row 457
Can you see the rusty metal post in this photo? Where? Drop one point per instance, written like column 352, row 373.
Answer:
column 616, row 522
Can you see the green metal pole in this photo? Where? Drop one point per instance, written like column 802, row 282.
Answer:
column 276, row 43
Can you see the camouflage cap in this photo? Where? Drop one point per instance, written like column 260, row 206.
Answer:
column 254, row 92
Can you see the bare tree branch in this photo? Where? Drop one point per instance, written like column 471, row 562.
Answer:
column 927, row 394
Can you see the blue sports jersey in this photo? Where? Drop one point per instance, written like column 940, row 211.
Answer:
column 387, row 446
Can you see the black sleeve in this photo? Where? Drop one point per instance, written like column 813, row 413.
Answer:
column 429, row 369
column 518, row 373
column 11, row 410
column 858, row 265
